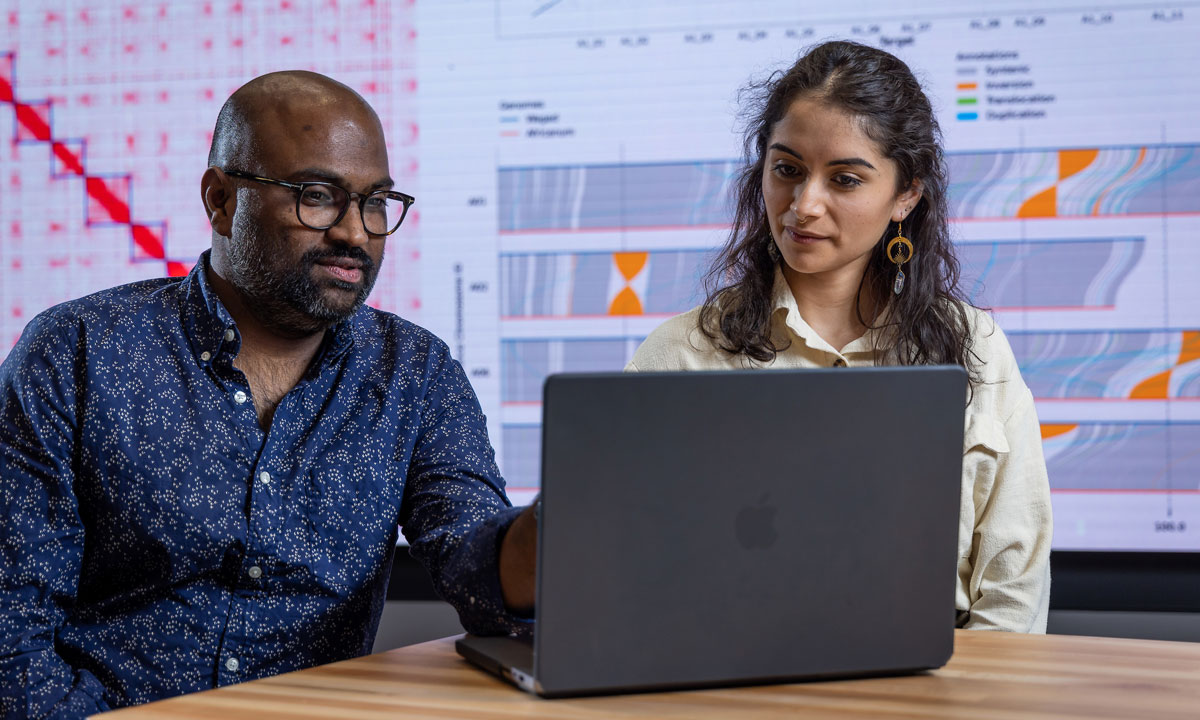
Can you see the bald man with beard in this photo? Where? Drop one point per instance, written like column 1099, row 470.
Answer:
column 203, row 476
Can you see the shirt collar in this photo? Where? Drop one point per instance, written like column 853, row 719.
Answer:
column 213, row 332
column 786, row 311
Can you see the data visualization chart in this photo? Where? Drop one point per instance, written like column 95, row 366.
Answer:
column 108, row 107
column 589, row 151
column 573, row 160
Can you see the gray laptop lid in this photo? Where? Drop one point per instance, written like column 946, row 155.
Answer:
column 738, row 527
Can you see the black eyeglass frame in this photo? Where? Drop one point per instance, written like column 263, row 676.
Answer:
column 404, row 198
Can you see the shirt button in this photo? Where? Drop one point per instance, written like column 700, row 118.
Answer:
column 231, row 664
column 264, row 476
column 239, row 397
column 205, row 355
column 839, row 363
column 254, row 571
column 229, row 335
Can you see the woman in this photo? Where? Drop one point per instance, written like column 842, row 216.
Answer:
column 840, row 256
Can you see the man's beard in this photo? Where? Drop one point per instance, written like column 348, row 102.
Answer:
column 286, row 298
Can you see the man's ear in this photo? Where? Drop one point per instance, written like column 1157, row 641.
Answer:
column 907, row 200
column 220, row 200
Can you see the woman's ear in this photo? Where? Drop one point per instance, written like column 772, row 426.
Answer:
column 906, row 200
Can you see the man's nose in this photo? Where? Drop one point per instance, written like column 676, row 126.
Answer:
column 350, row 229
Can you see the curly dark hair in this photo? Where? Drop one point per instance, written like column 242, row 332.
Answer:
column 929, row 317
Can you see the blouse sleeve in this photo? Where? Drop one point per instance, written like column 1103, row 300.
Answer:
column 1009, row 583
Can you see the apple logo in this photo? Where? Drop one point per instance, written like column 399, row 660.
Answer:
column 754, row 525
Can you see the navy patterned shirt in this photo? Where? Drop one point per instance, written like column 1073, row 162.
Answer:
column 155, row 541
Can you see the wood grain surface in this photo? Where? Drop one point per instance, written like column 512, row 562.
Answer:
column 991, row 675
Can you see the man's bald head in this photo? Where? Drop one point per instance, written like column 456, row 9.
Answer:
column 253, row 117
column 293, row 127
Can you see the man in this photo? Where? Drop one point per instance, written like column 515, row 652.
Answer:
column 202, row 477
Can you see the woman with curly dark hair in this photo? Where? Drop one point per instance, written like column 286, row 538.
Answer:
column 840, row 255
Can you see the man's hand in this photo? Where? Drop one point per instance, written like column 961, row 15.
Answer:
column 518, row 562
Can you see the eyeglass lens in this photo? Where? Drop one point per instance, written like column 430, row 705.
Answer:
column 320, row 205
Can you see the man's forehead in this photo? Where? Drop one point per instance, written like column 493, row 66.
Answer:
column 309, row 109
column 316, row 119
column 305, row 102
column 338, row 136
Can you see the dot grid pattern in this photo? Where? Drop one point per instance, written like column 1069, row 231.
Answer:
column 108, row 109
column 156, row 541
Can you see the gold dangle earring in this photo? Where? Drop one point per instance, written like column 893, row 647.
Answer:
column 899, row 251
column 773, row 250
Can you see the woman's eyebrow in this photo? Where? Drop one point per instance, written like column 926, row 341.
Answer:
column 860, row 162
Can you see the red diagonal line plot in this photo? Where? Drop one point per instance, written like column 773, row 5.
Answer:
column 6, row 74
column 106, row 198
column 149, row 240
column 33, row 121
column 69, row 155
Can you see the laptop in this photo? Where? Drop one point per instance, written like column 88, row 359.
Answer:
column 730, row 528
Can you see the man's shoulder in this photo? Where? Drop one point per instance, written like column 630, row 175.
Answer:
column 136, row 301
column 385, row 335
column 377, row 325
column 115, row 317
column 398, row 351
column 120, row 300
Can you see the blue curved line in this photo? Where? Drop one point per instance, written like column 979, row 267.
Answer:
column 987, row 268
column 1133, row 189
column 1121, row 173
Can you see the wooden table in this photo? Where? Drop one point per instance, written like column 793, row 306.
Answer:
column 991, row 676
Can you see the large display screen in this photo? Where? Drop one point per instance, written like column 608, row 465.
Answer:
column 571, row 161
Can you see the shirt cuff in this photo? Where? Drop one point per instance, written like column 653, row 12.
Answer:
column 485, row 612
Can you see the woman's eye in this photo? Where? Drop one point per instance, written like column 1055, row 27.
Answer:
column 785, row 170
column 847, row 181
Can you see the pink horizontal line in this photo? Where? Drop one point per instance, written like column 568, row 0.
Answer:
column 1005, row 308
column 516, row 318
column 1075, row 217
column 1115, row 400
column 619, row 228
column 726, row 226
column 1022, row 308
column 1052, row 491
column 1123, row 491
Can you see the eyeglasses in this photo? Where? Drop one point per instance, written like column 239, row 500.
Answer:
column 320, row 206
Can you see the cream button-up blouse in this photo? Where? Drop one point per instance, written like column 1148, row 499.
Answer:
column 1005, row 521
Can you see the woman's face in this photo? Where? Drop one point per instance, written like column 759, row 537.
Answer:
column 830, row 193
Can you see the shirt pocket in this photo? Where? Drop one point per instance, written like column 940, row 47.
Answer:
column 984, row 444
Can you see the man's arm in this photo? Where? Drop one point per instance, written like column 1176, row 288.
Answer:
column 41, row 538
column 518, row 562
column 456, row 516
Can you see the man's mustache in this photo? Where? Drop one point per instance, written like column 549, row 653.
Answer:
column 356, row 254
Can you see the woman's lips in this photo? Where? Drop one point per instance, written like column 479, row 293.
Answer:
column 802, row 237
